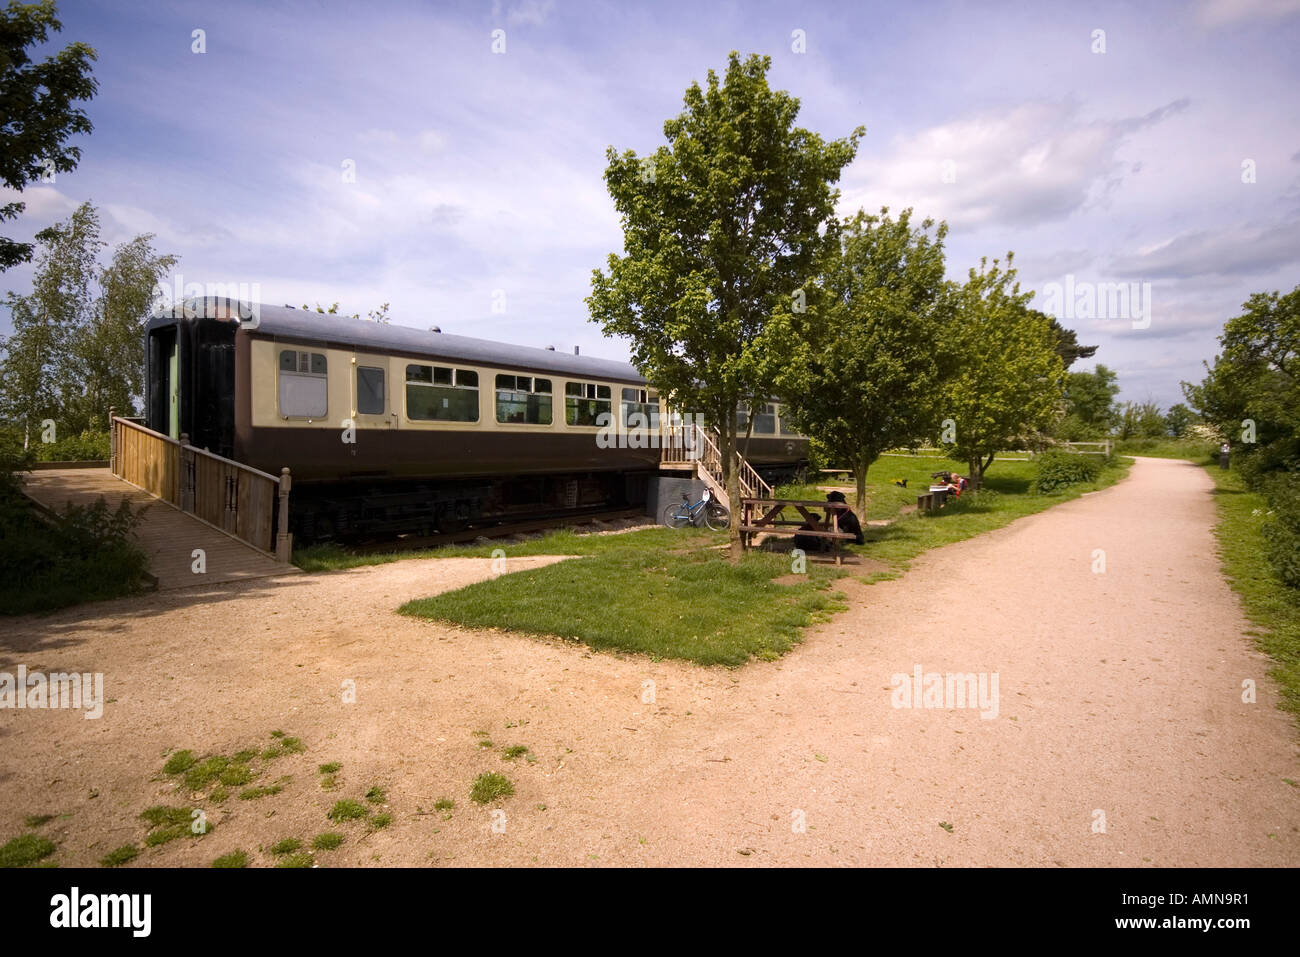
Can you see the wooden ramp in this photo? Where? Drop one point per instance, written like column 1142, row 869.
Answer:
column 168, row 535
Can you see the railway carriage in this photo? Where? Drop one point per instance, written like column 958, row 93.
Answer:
column 392, row 429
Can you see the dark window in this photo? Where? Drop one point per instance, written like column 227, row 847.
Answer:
column 523, row 399
column 642, row 403
column 370, row 390
column 585, row 402
column 439, row 393
column 764, row 421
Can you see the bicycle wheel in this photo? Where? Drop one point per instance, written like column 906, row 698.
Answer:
column 717, row 517
column 675, row 516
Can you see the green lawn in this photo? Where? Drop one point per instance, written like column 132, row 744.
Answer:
column 673, row 594
column 1271, row 605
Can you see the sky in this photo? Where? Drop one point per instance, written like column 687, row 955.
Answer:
column 369, row 153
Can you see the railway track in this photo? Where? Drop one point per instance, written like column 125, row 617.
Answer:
column 414, row 542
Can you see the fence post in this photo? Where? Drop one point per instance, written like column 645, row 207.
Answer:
column 283, row 540
column 184, row 487
column 112, row 440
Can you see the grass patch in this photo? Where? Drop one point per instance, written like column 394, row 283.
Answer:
column 1267, row 602
column 376, row 795
column 122, row 855
column 180, row 762
column 166, row 824
column 332, row 767
column 664, row 602
column 25, row 850
column 443, row 804
column 514, row 751
column 347, row 810
column 302, row 859
column 490, row 787
column 243, row 757
column 327, row 841
column 329, row 783
column 380, row 821
column 203, row 773
column 252, row 794
column 287, row 846
column 233, row 859
column 236, row 774
column 36, row 820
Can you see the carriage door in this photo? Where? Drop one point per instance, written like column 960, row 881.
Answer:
column 375, row 397
column 173, row 393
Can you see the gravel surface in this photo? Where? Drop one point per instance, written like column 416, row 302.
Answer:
column 1119, row 706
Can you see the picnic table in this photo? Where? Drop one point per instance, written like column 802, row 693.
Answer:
column 768, row 515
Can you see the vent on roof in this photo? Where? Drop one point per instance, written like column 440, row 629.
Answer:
column 435, row 329
column 575, row 350
column 550, row 348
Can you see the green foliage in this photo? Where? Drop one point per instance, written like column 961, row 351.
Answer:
column 86, row 553
column 1090, row 409
column 1281, row 530
column 287, row 846
column 1141, row 420
column 38, row 105
column 1067, row 343
column 722, row 226
column 489, row 787
column 122, row 855
column 25, row 850
column 179, row 762
column 859, row 368
column 1006, row 379
column 235, row 859
column 347, row 810
column 78, row 343
column 327, row 841
column 1056, row 470
column 1179, row 420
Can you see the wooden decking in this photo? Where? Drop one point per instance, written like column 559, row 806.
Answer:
column 167, row 534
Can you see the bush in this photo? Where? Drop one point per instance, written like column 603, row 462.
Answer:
column 1282, row 529
column 86, row 447
column 1056, row 470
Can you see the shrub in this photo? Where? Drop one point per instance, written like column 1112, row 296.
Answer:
column 1056, row 470
column 86, row 447
column 1281, row 531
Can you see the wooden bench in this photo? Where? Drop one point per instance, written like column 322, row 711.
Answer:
column 933, row 500
column 764, row 515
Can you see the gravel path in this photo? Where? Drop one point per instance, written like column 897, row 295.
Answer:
column 1119, row 694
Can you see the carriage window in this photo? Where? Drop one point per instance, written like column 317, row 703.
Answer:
column 303, row 384
column 370, row 390
column 764, row 421
column 440, row 393
column 642, row 403
column 585, row 402
column 523, row 399
column 787, row 423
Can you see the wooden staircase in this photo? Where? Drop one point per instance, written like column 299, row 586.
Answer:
column 688, row 443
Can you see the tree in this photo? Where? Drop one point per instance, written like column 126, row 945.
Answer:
column 1141, row 420
column 722, row 226
column 861, row 374
column 37, row 111
column 78, row 342
column 1007, row 379
column 1089, row 404
column 1252, row 393
column 1179, row 419
column 1067, row 342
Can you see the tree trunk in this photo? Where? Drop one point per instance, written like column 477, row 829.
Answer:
column 860, row 474
column 976, row 473
column 731, row 478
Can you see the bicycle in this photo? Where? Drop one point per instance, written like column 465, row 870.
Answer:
column 715, row 514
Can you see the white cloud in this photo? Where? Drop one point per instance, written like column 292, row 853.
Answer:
column 1214, row 13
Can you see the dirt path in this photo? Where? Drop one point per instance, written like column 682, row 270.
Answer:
column 1119, row 693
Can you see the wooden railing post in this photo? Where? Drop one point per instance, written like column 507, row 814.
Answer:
column 184, row 485
column 112, row 439
column 284, row 540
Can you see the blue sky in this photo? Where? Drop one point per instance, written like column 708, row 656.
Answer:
column 477, row 172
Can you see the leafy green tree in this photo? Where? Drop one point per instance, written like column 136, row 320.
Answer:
column 1141, row 420
column 722, row 226
column 1252, row 392
column 37, row 108
column 1090, row 409
column 1007, row 377
column 78, row 343
column 861, row 373
column 1179, row 419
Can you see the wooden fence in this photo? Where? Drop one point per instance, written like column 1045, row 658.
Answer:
column 239, row 500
